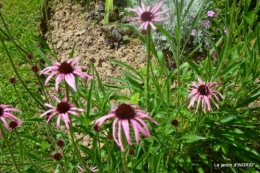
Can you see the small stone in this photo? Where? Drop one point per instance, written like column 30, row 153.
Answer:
column 80, row 32
column 59, row 44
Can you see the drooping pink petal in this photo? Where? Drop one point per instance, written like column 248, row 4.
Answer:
column 5, row 123
column 125, row 125
column 120, row 135
column 69, row 78
column 114, row 129
column 136, row 131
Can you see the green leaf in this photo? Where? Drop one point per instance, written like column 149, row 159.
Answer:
column 250, row 98
column 194, row 66
column 31, row 137
column 128, row 67
column 227, row 119
column 158, row 162
column 230, row 68
column 131, row 79
column 202, row 155
column 224, row 148
column 216, row 147
column 136, row 31
column 21, row 152
column 192, row 138
column 39, row 52
column 134, row 99
column 34, row 120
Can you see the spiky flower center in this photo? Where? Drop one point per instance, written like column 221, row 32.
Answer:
column 63, row 107
column 65, row 68
column 1, row 111
column 124, row 111
column 147, row 16
column 203, row 90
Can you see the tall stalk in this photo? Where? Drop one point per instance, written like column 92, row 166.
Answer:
column 148, row 66
column 18, row 75
column 26, row 152
column 83, row 164
column 9, row 148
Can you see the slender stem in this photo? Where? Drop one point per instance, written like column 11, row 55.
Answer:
column 109, row 155
column 19, row 98
column 46, row 6
column 171, row 150
column 10, row 35
column 42, row 87
column 124, row 156
column 9, row 148
column 197, row 124
column 21, row 143
column 83, row 164
column 67, row 92
column 148, row 66
column 62, row 168
column 18, row 76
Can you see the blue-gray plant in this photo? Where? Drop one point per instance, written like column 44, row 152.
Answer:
column 201, row 37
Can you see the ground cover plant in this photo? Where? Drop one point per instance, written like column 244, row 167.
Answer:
column 194, row 115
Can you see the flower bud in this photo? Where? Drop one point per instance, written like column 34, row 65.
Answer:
column 35, row 69
column 12, row 80
column 175, row 122
column 60, row 143
column 29, row 56
column 57, row 156
column 13, row 124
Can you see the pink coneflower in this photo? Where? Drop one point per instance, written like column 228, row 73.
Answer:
column 65, row 70
column 63, row 109
column 204, row 93
column 125, row 115
column 210, row 13
column 92, row 168
column 5, row 113
column 147, row 16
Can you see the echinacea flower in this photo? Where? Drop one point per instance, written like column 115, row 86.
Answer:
column 5, row 113
column 63, row 109
column 147, row 16
column 204, row 93
column 124, row 115
column 65, row 70
column 92, row 168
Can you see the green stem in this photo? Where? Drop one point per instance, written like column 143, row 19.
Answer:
column 46, row 6
column 148, row 66
column 230, row 29
column 18, row 76
column 19, row 98
column 124, row 156
column 42, row 87
column 109, row 155
column 171, row 150
column 62, row 168
column 83, row 164
column 9, row 148
column 21, row 143
column 197, row 124
column 10, row 35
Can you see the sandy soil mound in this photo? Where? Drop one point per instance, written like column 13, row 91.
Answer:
column 70, row 23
